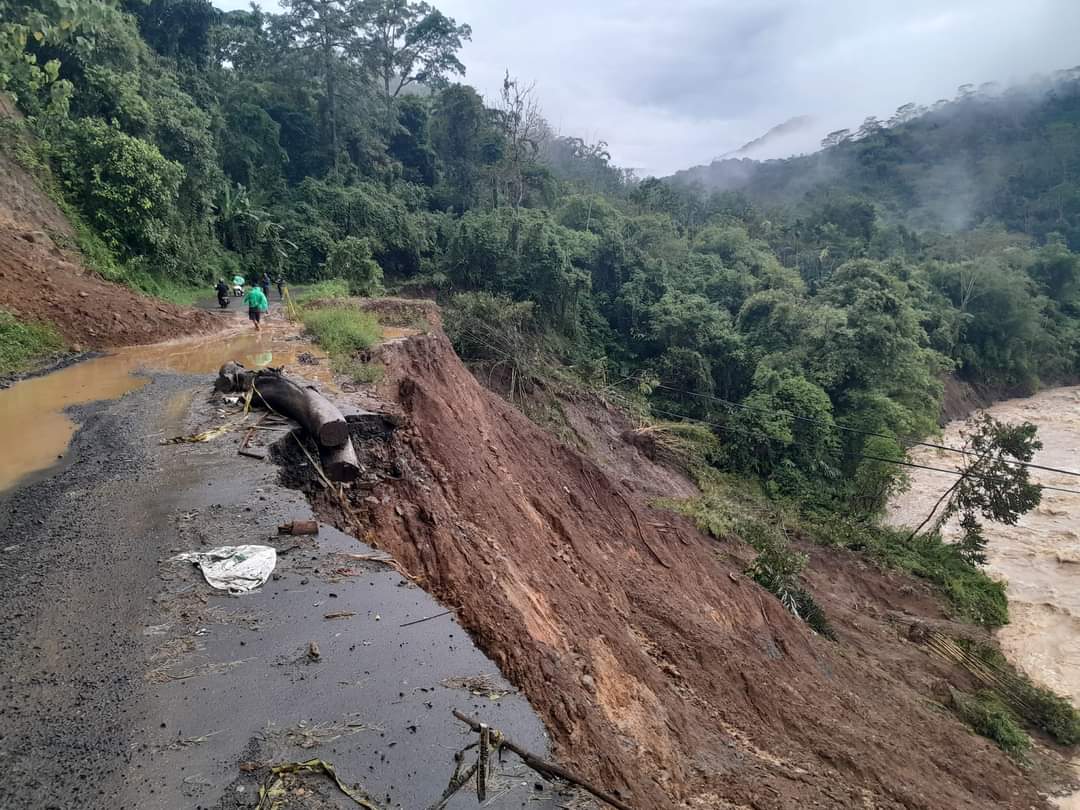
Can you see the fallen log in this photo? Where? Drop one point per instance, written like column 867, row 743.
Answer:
column 272, row 389
column 340, row 463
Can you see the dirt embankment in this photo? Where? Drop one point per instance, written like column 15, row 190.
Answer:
column 42, row 281
column 659, row 669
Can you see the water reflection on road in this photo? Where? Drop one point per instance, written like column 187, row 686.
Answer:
column 35, row 430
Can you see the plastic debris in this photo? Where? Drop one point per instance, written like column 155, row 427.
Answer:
column 205, row 436
column 274, row 794
column 236, row 569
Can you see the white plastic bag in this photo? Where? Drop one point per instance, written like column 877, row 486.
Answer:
column 236, row 569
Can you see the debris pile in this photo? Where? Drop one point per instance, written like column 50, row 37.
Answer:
column 322, row 420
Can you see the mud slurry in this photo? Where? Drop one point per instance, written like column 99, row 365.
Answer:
column 36, row 427
column 129, row 683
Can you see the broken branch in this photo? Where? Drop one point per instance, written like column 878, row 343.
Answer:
column 542, row 766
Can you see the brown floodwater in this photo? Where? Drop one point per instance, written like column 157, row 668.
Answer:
column 1039, row 557
column 35, row 429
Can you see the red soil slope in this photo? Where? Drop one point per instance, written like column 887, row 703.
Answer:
column 660, row 670
column 39, row 281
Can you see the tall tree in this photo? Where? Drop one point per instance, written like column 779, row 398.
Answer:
column 408, row 43
column 994, row 483
column 328, row 29
column 524, row 128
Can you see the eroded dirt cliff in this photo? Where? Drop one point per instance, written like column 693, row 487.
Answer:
column 659, row 669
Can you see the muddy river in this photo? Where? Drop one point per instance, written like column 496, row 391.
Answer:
column 1039, row 557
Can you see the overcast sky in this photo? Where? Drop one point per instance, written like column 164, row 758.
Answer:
column 676, row 83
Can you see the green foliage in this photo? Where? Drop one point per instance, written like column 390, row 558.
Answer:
column 357, row 370
column 24, row 343
column 989, row 716
column 993, row 485
column 491, row 328
column 777, row 567
column 728, row 508
column 350, row 259
column 341, row 330
column 971, row 592
column 124, row 184
column 1037, row 705
column 1009, row 157
column 324, row 291
column 1053, row 714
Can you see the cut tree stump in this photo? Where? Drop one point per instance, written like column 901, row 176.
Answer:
column 340, row 463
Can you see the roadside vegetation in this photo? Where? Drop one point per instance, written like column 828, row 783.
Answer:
column 23, row 344
column 326, row 290
column 342, row 331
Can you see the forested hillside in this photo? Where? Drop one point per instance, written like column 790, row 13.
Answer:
column 991, row 156
column 334, row 141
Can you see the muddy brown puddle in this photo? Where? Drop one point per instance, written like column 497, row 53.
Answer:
column 35, row 429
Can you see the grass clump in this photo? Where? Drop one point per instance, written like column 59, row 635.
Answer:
column 341, row 331
column 1037, row 705
column 729, row 506
column 972, row 594
column 328, row 290
column 1053, row 714
column 23, row 343
column 357, row 370
column 988, row 715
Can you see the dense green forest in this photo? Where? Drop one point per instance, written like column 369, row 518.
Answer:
column 993, row 156
column 333, row 140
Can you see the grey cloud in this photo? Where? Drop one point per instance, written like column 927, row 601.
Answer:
column 672, row 84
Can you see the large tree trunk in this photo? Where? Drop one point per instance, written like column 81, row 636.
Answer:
column 340, row 463
column 318, row 416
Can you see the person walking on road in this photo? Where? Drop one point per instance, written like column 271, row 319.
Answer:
column 280, row 282
column 265, row 282
column 257, row 305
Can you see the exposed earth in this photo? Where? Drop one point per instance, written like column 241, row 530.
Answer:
column 614, row 631
column 43, row 277
column 130, row 683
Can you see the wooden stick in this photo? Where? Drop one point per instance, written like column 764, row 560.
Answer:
column 456, row 783
column 426, row 618
column 542, row 766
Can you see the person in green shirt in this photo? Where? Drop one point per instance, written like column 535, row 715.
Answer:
column 238, row 284
column 257, row 305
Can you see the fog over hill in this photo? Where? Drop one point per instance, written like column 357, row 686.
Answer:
column 991, row 152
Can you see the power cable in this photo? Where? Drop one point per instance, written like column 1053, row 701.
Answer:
column 959, row 473
column 861, row 432
column 729, row 429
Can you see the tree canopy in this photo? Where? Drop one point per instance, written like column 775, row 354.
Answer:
column 785, row 305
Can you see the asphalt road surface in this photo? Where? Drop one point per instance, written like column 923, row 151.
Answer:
column 127, row 682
